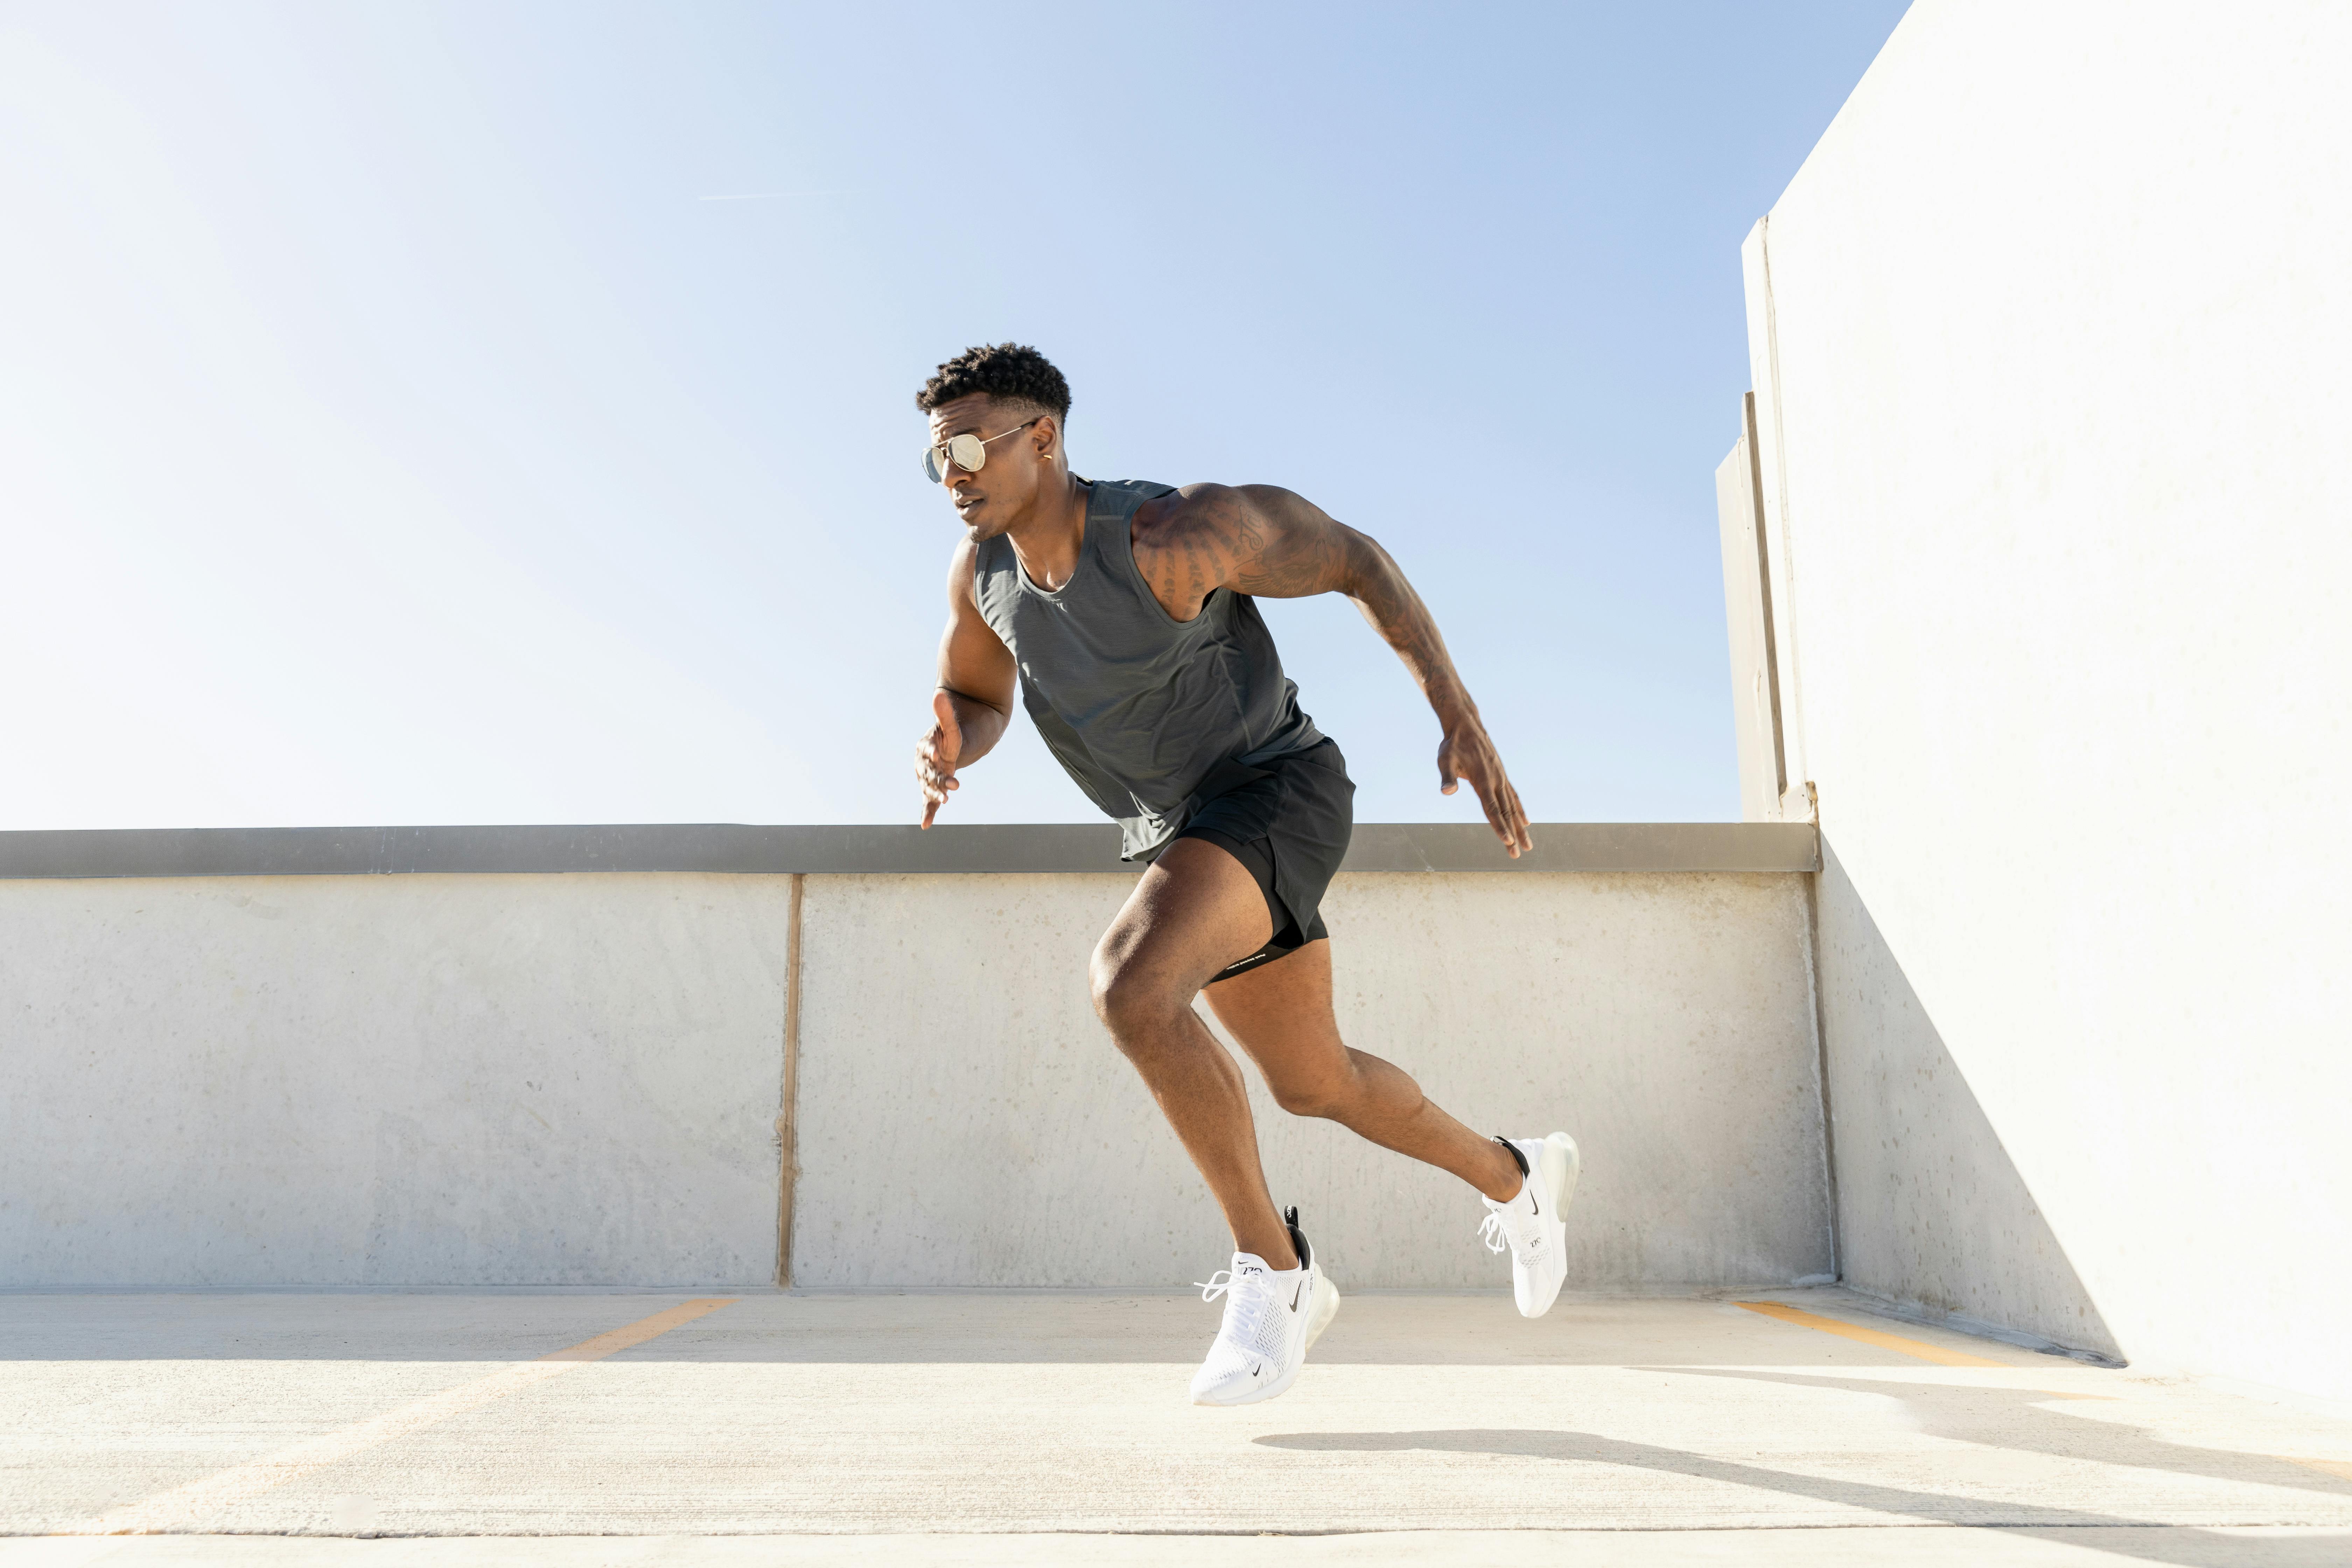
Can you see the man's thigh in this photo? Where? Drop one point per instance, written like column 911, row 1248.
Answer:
column 1196, row 911
column 1280, row 1012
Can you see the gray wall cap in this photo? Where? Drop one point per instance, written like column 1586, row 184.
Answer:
column 771, row 851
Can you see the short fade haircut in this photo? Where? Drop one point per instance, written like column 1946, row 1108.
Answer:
column 1008, row 372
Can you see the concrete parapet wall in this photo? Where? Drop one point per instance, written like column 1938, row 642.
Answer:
column 391, row 1081
column 965, row 1121
column 538, row 1078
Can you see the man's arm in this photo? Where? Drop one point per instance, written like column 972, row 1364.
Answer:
column 974, row 700
column 1264, row 541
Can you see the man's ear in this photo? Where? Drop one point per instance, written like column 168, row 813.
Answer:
column 1043, row 434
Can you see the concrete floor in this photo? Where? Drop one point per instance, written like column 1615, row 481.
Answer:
column 1052, row 1428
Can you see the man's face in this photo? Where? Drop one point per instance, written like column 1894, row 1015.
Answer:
column 1008, row 480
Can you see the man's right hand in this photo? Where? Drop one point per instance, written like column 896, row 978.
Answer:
column 936, row 755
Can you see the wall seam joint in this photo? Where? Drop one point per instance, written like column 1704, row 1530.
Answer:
column 788, row 1115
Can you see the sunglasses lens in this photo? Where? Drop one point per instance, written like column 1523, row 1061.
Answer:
column 968, row 452
column 932, row 469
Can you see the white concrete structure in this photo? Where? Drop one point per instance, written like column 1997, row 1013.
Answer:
column 2049, row 339
column 552, row 1077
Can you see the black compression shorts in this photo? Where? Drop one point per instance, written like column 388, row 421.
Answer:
column 1287, row 821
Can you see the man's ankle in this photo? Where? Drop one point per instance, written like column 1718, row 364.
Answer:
column 1510, row 1181
column 1273, row 1257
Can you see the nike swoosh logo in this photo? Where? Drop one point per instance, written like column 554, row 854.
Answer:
column 1294, row 1295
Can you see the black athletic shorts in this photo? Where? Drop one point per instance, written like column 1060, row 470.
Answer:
column 1289, row 821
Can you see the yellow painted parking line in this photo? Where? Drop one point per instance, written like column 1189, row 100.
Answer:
column 1885, row 1341
column 186, row 1507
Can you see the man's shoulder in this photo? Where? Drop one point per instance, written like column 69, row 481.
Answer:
column 968, row 564
column 1169, row 511
column 963, row 560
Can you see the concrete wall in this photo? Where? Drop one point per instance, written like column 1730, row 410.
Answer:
column 1664, row 1020
column 438, row 1078
column 1932, row 1212
column 2049, row 339
column 390, row 1080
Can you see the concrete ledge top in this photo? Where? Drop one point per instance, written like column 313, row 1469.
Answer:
column 771, row 851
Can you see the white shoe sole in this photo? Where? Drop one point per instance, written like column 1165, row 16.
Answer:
column 1558, row 1165
column 1327, row 1307
column 1561, row 1166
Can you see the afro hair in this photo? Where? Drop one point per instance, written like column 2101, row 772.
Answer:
column 1011, row 372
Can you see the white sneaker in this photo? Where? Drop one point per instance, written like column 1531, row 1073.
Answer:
column 1533, row 1226
column 1271, row 1317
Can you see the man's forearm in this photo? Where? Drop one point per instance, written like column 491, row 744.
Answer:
column 1388, row 602
column 982, row 724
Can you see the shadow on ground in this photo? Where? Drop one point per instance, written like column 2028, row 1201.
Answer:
column 2148, row 1540
column 2018, row 1418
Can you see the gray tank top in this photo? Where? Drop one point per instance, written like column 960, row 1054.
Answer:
column 1140, row 708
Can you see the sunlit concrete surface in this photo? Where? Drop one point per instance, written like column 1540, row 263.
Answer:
column 1915, row 1547
column 967, row 1419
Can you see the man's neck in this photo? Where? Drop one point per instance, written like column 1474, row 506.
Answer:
column 1048, row 539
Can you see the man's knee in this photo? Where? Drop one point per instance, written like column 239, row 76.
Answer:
column 1132, row 1003
column 1335, row 1090
column 1309, row 1097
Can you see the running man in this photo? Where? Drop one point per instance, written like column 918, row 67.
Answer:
column 1125, row 616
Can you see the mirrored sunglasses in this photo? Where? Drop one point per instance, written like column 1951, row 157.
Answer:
column 966, row 452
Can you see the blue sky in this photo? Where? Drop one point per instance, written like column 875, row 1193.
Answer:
column 504, row 413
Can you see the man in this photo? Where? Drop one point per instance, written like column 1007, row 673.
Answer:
column 1124, row 614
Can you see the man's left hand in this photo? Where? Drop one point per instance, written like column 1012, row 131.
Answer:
column 1467, row 752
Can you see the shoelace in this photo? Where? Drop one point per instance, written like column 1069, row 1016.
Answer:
column 1498, row 1234
column 1246, row 1297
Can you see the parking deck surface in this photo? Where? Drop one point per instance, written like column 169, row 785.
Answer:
column 645, row 1427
